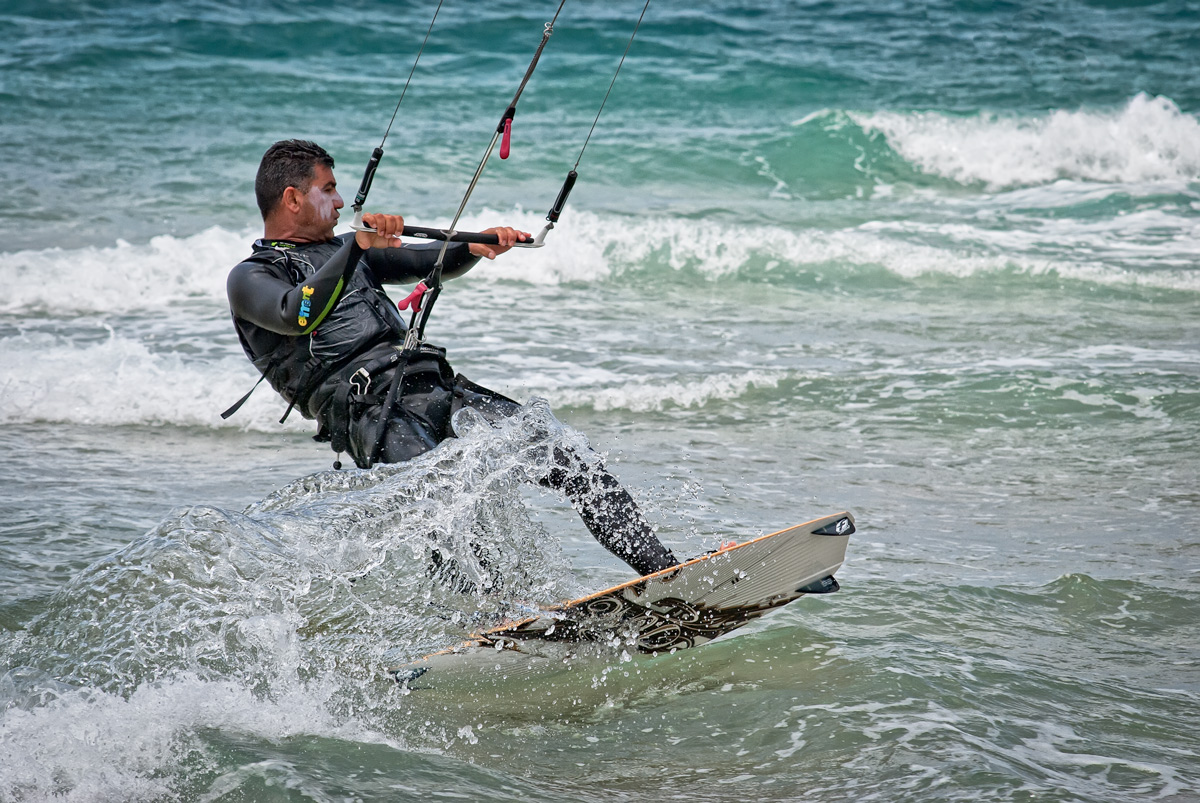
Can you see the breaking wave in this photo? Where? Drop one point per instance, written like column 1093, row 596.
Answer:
column 184, row 278
column 1148, row 140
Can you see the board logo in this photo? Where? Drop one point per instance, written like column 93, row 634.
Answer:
column 843, row 526
column 305, row 305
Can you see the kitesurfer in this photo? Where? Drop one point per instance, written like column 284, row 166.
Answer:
column 312, row 315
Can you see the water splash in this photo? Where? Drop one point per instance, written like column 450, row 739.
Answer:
column 278, row 621
column 339, row 572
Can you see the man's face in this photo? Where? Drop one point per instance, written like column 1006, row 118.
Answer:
column 319, row 214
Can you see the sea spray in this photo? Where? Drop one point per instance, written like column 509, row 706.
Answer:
column 335, row 569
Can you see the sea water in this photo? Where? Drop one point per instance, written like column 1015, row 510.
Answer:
column 932, row 263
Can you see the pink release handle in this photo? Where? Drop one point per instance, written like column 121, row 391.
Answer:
column 413, row 298
column 506, row 141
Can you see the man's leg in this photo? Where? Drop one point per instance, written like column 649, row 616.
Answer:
column 609, row 512
column 607, row 509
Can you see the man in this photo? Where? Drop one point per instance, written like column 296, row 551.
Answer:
column 312, row 315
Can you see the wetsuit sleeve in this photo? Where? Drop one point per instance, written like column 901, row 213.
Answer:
column 258, row 295
column 414, row 262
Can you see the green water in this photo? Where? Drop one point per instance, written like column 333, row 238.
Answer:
column 932, row 264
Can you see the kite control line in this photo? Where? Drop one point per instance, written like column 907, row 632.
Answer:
column 416, row 329
column 563, row 193
column 422, row 299
column 364, row 187
column 504, row 135
column 504, row 132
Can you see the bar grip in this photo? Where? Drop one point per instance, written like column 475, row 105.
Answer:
column 426, row 233
column 458, row 236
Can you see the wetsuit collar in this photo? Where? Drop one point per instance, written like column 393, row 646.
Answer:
column 264, row 243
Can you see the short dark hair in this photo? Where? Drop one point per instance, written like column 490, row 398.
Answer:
column 287, row 163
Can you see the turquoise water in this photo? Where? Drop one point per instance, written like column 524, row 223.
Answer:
column 934, row 264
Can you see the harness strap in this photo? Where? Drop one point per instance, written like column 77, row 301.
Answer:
column 307, row 384
column 237, row 405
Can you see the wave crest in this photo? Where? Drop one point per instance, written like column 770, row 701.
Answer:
column 1148, row 140
column 122, row 277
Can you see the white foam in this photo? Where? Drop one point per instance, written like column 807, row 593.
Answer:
column 90, row 745
column 1152, row 248
column 1149, row 139
column 125, row 277
column 1123, row 354
column 187, row 274
column 612, row 246
column 121, row 381
column 122, row 277
column 650, row 393
column 587, row 247
column 618, row 246
column 67, row 374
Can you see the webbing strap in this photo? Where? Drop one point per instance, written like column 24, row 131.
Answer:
column 237, row 405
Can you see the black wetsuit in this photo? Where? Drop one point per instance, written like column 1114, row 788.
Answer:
column 315, row 321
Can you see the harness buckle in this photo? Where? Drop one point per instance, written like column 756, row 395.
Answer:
column 360, row 381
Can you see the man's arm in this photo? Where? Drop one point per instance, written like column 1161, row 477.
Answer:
column 415, row 261
column 394, row 264
column 258, row 295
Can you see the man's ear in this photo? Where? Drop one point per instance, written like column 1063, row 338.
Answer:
column 292, row 200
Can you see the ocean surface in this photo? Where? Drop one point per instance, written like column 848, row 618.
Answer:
column 934, row 263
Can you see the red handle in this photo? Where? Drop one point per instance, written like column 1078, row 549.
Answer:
column 413, row 298
column 506, row 141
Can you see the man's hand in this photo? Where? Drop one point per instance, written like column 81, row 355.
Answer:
column 507, row 236
column 386, row 234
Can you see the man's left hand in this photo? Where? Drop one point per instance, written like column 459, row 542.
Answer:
column 386, row 234
column 507, row 235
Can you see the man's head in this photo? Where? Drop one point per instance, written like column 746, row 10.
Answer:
column 296, row 191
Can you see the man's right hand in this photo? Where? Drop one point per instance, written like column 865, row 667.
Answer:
column 386, row 234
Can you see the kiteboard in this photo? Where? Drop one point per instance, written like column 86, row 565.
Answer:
column 680, row 607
